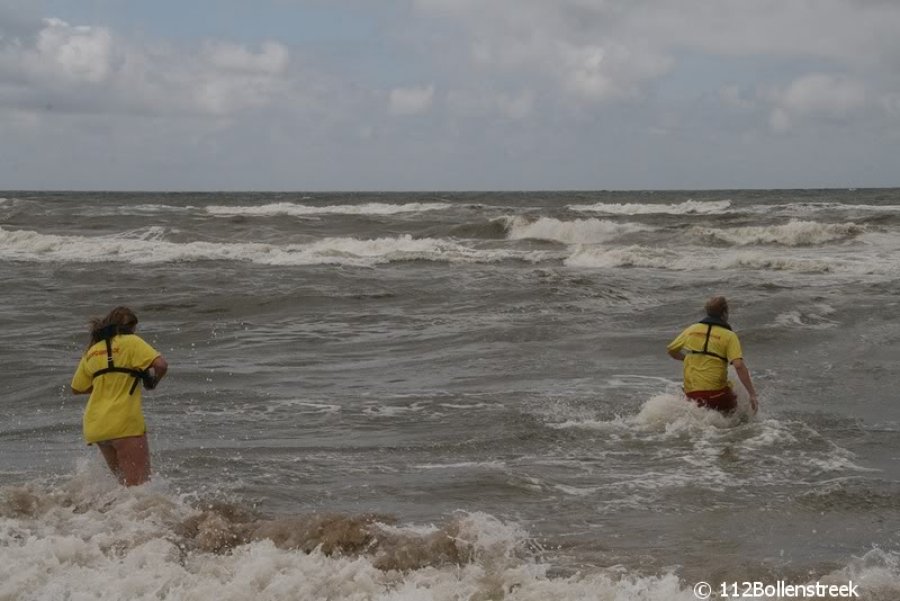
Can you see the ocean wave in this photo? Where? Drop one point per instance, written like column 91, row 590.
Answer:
column 630, row 256
column 87, row 537
column 794, row 233
column 147, row 247
column 82, row 535
column 815, row 317
column 659, row 258
column 688, row 207
column 580, row 231
column 805, row 209
column 765, row 262
column 299, row 210
column 689, row 448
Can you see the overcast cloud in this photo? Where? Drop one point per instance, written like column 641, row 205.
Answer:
column 451, row 94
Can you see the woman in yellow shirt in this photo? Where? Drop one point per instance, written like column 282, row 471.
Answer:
column 112, row 370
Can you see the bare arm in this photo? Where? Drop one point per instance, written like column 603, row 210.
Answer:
column 160, row 366
column 676, row 355
column 744, row 376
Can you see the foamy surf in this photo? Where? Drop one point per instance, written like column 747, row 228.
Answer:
column 702, row 259
column 300, row 210
column 87, row 538
column 665, row 412
column 793, row 233
column 148, row 247
column 815, row 317
column 688, row 207
column 570, row 232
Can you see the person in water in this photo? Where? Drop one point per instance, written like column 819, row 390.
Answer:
column 113, row 369
column 706, row 348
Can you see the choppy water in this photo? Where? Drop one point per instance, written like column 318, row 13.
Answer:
column 453, row 396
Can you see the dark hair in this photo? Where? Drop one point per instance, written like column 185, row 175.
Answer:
column 120, row 320
column 717, row 306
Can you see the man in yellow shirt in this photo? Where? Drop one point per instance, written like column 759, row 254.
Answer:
column 706, row 348
column 112, row 370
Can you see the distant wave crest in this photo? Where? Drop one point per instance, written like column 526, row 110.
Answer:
column 688, row 207
column 580, row 231
column 656, row 258
column 147, row 246
column 794, row 233
column 299, row 210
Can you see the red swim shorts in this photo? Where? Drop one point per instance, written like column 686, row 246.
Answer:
column 722, row 400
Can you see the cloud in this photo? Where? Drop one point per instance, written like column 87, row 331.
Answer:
column 817, row 95
column 411, row 101
column 88, row 69
column 584, row 59
column 611, row 49
column 613, row 71
column 491, row 103
column 58, row 55
column 734, row 97
column 76, row 53
column 507, row 93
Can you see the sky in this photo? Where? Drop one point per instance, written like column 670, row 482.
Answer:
column 315, row 95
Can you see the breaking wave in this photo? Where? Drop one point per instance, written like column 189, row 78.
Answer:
column 86, row 537
column 89, row 537
column 299, row 210
column 794, row 233
column 580, row 231
column 657, row 258
column 148, row 247
column 688, row 207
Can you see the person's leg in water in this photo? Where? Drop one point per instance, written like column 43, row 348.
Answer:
column 128, row 459
column 111, row 458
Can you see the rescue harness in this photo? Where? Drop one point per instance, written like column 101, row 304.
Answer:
column 710, row 322
column 139, row 375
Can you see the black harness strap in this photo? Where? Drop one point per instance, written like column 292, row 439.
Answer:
column 709, row 323
column 706, row 350
column 137, row 374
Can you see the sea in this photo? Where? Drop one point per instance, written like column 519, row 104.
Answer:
column 455, row 396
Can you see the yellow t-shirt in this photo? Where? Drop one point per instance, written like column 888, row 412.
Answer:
column 112, row 411
column 703, row 372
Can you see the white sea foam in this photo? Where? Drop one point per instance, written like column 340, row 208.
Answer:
column 793, row 233
column 472, row 406
column 688, row 207
column 665, row 412
column 762, row 261
column 393, row 410
column 570, row 232
column 806, row 209
column 814, row 317
column 629, row 256
column 877, row 573
column 670, row 412
column 299, row 406
column 492, row 465
column 157, row 208
column 147, row 246
column 697, row 260
column 103, row 210
column 299, row 210
column 88, row 538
